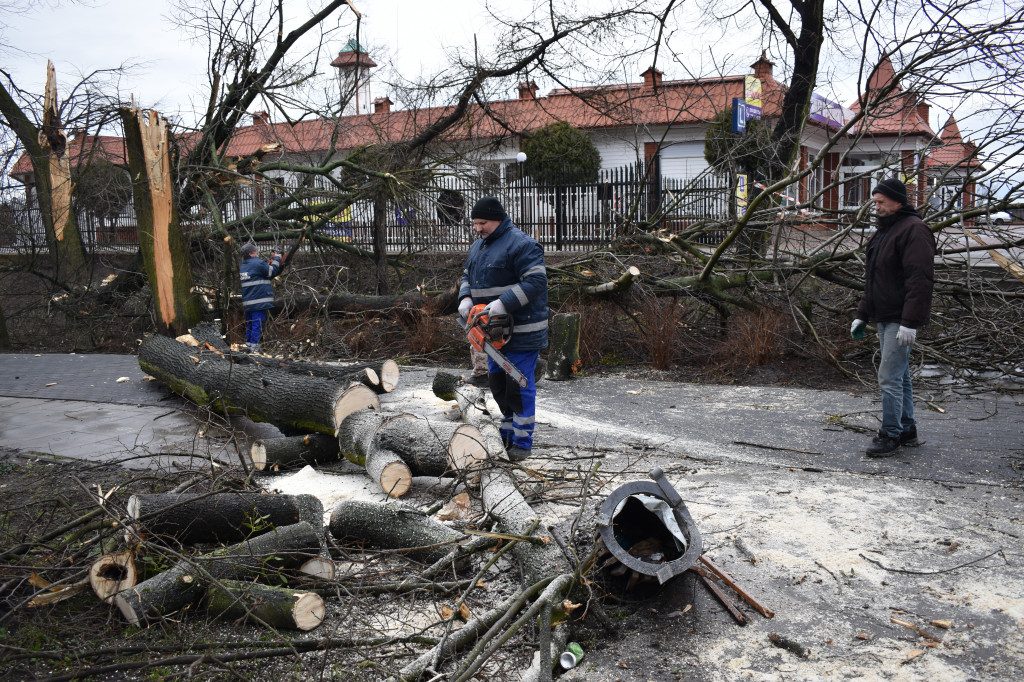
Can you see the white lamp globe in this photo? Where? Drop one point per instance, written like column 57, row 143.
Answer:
column 521, row 157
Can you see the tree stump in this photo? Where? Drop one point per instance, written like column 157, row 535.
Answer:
column 278, row 607
column 185, row 583
column 219, row 517
column 393, row 525
column 564, row 353
column 293, row 452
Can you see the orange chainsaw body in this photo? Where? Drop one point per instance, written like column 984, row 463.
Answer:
column 479, row 330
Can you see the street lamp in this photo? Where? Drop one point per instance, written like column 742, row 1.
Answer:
column 521, row 159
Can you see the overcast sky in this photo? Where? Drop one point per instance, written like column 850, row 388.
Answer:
column 100, row 34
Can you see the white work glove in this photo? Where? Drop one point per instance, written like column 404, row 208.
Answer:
column 857, row 329
column 465, row 305
column 906, row 336
column 495, row 307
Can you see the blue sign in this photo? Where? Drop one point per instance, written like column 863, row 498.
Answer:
column 739, row 115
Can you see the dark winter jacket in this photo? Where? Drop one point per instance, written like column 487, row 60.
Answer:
column 509, row 264
column 255, row 273
column 899, row 276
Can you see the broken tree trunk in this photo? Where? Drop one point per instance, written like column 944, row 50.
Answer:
column 55, row 191
column 292, row 452
column 277, row 607
column 393, row 525
column 112, row 573
column 564, row 353
column 164, row 252
column 185, row 583
column 291, row 402
column 218, row 517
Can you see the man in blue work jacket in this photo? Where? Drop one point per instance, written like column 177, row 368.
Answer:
column 505, row 269
column 257, row 292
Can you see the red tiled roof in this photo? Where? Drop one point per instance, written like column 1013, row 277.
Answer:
column 588, row 108
column 899, row 114
column 951, row 151
column 80, row 147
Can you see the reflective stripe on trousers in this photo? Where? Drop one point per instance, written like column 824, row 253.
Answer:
column 518, row 405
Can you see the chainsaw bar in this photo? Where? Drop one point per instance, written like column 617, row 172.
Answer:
column 497, row 356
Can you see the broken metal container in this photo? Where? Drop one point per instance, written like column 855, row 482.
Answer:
column 648, row 529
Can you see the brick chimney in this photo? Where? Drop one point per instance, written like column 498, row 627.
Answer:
column 652, row 78
column 763, row 67
column 261, row 118
column 382, row 105
column 527, row 90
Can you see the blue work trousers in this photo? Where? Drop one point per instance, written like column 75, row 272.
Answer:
column 254, row 320
column 518, row 405
column 894, row 380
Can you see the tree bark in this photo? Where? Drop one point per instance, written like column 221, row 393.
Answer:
column 112, row 573
column 292, row 452
column 293, row 403
column 393, row 525
column 185, row 583
column 277, row 607
column 564, row 353
column 433, row 448
column 218, row 517
column 164, row 252
column 387, row 470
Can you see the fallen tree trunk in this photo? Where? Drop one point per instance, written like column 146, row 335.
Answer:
column 112, row 573
column 277, row 607
column 291, row 452
column 289, row 401
column 393, row 525
column 185, row 583
column 219, row 517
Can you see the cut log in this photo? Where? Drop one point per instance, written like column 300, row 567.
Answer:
column 185, row 583
column 393, row 525
column 356, row 431
column 293, row 452
column 388, row 471
column 292, row 402
column 319, row 567
column 112, row 573
column 218, row 517
column 432, row 448
column 564, row 353
column 621, row 284
column 278, row 607
column 386, row 371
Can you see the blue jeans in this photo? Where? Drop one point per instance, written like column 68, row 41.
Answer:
column 894, row 380
column 254, row 320
column 518, row 404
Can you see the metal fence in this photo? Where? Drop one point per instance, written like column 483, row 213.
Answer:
column 435, row 217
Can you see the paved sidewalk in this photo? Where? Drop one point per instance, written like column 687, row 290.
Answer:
column 98, row 407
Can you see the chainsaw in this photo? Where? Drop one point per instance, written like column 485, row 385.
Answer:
column 487, row 333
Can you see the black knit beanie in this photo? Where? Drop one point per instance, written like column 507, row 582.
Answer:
column 892, row 188
column 488, row 208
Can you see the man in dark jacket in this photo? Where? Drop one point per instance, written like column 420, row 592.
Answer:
column 505, row 269
column 898, row 283
column 257, row 291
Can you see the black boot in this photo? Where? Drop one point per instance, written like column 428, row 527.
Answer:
column 883, row 445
